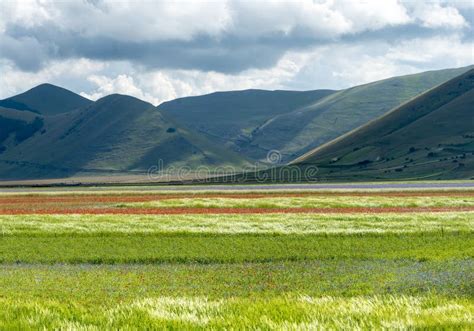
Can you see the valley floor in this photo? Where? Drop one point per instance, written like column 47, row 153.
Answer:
column 396, row 258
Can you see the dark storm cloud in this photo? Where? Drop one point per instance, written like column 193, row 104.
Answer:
column 395, row 34
column 228, row 54
column 27, row 53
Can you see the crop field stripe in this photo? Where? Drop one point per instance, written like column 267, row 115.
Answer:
column 184, row 210
column 237, row 224
column 315, row 278
column 117, row 196
column 306, row 202
column 290, row 312
column 231, row 205
column 230, row 248
column 104, row 198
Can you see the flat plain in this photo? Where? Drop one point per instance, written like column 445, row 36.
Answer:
column 337, row 259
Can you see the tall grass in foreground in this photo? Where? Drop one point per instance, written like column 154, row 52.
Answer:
column 287, row 312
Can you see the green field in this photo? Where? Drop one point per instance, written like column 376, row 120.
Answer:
column 240, row 271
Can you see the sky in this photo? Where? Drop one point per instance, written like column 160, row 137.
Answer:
column 162, row 50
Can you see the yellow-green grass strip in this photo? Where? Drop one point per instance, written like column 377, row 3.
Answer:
column 239, row 224
column 307, row 202
column 283, row 313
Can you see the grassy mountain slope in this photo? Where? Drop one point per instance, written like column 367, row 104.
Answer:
column 46, row 99
column 255, row 122
column 316, row 124
column 17, row 126
column 18, row 114
column 116, row 134
column 431, row 136
column 233, row 117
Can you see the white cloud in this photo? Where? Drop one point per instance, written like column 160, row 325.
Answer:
column 372, row 61
column 438, row 52
column 65, row 73
column 122, row 84
column 434, row 15
column 159, row 86
column 27, row 12
column 254, row 18
column 135, row 20
column 373, row 14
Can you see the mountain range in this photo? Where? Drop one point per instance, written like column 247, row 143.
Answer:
column 255, row 122
column 50, row 132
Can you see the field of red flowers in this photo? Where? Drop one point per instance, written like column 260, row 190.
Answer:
column 107, row 203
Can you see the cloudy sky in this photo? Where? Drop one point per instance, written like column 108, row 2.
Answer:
column 158, row 51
